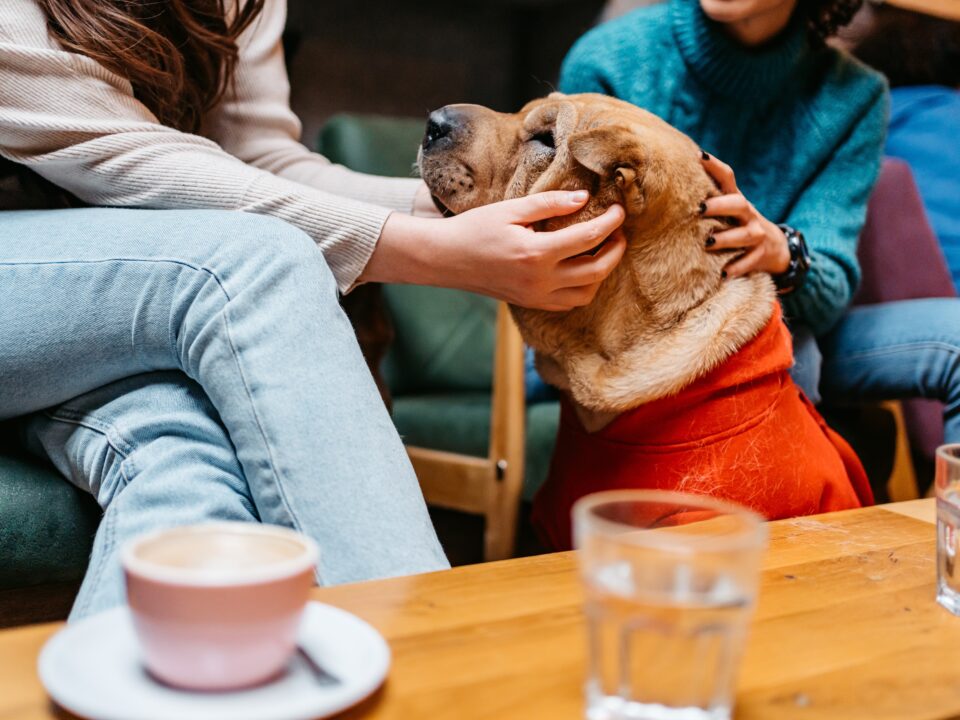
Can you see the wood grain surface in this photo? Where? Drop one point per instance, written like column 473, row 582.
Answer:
column 846, row 628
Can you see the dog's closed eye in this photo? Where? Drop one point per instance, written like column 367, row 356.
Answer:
column 544, row 138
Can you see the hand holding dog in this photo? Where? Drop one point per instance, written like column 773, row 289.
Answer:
column 493, row 250
column 765, row 244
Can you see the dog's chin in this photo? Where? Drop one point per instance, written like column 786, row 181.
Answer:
column 439, row 204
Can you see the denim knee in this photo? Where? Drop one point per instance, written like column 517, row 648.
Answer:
column 86, row 451
column 267, row 250
column 158, row 421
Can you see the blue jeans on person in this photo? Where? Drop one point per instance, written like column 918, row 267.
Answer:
column 888, row 351
column 185, row 366
column 895, row 351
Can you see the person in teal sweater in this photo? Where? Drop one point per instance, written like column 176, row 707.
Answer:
column 799, row 128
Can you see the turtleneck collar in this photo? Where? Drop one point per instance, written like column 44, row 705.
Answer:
column 726, row 66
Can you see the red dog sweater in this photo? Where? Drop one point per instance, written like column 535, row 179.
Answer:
column 743, row 432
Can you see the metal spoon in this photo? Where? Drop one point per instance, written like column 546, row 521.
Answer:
column 323, row 676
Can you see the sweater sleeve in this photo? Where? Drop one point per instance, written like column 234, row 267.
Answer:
column 831, row 213
column 254, row 123
column 79, row 126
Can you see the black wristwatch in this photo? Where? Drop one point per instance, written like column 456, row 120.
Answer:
column 799, row 266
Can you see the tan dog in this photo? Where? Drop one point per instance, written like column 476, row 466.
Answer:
column 665, row 316
column 664, row 323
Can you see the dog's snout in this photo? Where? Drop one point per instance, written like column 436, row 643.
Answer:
column 438, row 127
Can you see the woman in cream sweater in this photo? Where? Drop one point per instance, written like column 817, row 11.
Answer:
column 171, row 334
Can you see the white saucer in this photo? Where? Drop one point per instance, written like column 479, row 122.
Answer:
column 93, row 669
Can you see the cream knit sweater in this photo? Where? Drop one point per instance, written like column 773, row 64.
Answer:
column 79, row 126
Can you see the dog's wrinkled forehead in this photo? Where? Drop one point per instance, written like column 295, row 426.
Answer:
column 585, row 134
column 554, row 111
column 568, row 114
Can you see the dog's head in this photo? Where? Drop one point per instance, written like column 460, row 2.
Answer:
column 472, row 156
column 663, row 287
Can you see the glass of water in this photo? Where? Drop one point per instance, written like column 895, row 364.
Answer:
column 947, row 482
column 671, row 582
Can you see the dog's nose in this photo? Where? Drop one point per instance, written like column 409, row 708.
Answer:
column 439, row 125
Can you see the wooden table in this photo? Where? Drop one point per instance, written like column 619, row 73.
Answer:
column 846, row 628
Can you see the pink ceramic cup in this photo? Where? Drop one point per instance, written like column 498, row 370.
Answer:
column 218, row 606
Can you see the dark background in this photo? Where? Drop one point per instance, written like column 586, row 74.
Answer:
column 407, row 57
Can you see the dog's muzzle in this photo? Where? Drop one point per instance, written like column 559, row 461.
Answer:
column 444, row 129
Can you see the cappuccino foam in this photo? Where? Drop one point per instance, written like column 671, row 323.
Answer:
column 217, row 549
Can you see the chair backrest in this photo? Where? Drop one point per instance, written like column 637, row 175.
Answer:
column 444, row 338
column 899, row 254
column 444, row 342
column 372, row 144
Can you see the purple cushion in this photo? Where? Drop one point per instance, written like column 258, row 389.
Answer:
column 899, row 253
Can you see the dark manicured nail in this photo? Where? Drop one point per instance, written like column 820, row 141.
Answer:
column 711, row 241
column 704, row 155
column 703, row 208
column 723, row 274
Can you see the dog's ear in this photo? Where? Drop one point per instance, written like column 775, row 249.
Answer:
column 613, row 153
column 603, row 149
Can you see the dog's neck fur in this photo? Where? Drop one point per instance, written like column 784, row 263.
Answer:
column 663, row 319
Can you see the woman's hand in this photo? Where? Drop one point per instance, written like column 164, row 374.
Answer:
column 765, row 244
column 494, row 251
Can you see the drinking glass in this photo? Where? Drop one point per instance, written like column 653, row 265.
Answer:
column 948, row 526
column 671, row 582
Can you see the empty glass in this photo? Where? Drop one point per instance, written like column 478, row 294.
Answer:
column 948, row 526
column 671, row 582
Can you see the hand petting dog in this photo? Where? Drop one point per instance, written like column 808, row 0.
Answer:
column 495, row 250
column 764, row 244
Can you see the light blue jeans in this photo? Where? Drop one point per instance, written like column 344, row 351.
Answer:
column 890, row 351
column 894, row 351
column 184, row 366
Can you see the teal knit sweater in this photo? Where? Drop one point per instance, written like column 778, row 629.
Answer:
column 803, row 128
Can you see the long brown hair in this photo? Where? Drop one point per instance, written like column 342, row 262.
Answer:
column 179, row 55
column 825, row 17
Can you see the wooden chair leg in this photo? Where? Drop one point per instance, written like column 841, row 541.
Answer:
column 500, row 532
column 499, row 538
column 507, row 440
column 902, row 484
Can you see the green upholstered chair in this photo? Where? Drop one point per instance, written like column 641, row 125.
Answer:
column 46, row 532
column 455, row 369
